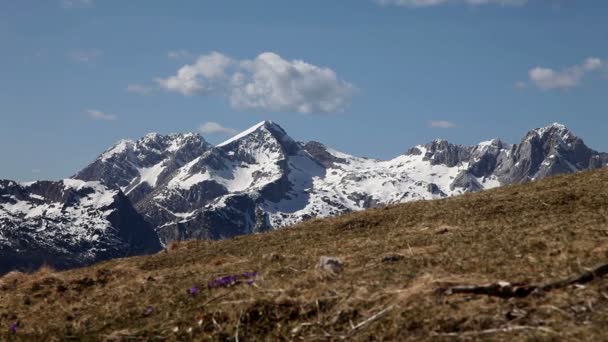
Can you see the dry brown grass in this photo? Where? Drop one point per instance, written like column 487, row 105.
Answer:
column 528, row 233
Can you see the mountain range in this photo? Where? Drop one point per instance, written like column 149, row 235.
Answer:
column 179, row 187
column 67, row 224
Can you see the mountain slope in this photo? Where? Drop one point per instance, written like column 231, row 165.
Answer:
column 67, row 224
column 394, row 260
column 262, row 179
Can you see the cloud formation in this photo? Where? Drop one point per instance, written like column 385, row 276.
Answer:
column 211, row 127
column 570, row 77
column 99, row 115
column 180, row 55
column 429, row 3
column 441, row 124
column 267, row 82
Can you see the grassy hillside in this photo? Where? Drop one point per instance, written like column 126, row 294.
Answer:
column 529, row 233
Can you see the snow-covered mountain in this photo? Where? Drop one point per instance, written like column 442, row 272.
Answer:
column 68, row 223
column 262, row 179
column 137, row 167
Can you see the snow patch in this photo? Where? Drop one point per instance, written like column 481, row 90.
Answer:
column 121, row 147
column 244, row 133
column 150, row 174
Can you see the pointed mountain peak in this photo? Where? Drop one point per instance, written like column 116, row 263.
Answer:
column 552, row 135
column 264, row 127
column 151, row 136
column 121, row 147
column 440, row 145
column 496, row 142
column 553, row 129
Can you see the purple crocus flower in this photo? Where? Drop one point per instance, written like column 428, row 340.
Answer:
column 13, row 328
column 193, row 291
column 149, row 311
column 231, row 280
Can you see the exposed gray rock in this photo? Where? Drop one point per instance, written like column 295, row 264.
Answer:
column 392, row 258
column 547, row 152
column 319, row 152
column 434, row 189
column 441, row 152
column 466, row 181
column 330, row 264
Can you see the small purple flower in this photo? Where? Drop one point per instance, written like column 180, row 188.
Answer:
column 193, row 291
column 13, row 328
column 250, row 282
column 231, row 280
column 149, row 311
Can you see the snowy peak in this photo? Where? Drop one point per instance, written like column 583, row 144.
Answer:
column 545, row 152
column 151, row 146
column 139, row 166
column 556, row 136
column 265, row 134
column 494, row 143
column 252, row 158
column 266, row 126
column 122, row 147
column 553, row 129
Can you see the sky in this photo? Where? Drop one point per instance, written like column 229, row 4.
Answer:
column 367, row 77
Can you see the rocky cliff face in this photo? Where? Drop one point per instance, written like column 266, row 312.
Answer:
column 546, row 152
column 262, row 179
column 67, row 224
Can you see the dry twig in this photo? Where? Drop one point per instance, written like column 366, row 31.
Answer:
column 504, row 289
column 368, row 321
column 509, row 328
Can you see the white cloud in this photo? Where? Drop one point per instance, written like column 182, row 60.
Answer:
column 201, row 77
column 139, row 89
column 180, row 55
column 84, row 55
column 211, row 127
column 76, row 3
column 441, row 124
column 549, row 79
column 592, row 63
column 267, row 82
column 429, row 3
column 99, row 115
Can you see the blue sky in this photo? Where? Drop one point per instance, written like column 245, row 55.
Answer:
column 367, row 77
